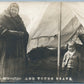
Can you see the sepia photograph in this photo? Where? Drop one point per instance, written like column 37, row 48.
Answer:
column 41, row 42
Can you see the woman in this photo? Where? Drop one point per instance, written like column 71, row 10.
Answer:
column 13, row 43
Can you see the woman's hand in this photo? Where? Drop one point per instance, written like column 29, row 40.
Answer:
column 19, row 33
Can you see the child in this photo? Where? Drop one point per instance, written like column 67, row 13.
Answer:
column 71, row 61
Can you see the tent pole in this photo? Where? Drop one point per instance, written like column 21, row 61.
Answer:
column 37, row 42
column 59, row 40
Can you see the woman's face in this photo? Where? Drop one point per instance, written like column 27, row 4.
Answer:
column 14, row 11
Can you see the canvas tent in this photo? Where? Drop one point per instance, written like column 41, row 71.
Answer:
column 72, row 19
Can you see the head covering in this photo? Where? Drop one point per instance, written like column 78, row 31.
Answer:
column 7, row 12
column 13, row 5
column 71, row 43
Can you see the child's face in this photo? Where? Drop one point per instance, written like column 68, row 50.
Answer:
column 71, row 48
